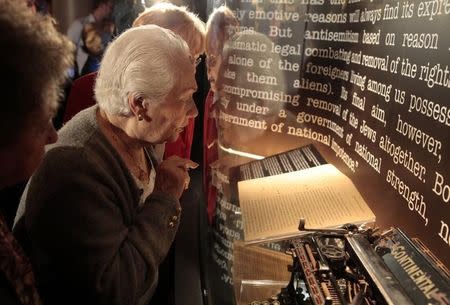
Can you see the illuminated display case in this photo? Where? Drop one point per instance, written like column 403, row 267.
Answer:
column 365, row 82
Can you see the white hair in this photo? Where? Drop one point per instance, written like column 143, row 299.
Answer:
column 143, row 61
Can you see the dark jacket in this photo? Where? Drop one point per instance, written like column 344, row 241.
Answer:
column 17, row 282
column 7, row 294
column 90, row 241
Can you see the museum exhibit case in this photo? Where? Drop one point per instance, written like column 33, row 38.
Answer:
column 359, row 85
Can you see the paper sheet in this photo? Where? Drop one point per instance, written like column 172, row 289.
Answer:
column 325, row 197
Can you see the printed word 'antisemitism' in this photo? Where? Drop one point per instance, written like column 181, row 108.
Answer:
column 326, row 35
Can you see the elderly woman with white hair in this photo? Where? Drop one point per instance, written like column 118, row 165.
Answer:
column 103, row 209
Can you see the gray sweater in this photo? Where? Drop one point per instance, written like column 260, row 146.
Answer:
column 88, row 239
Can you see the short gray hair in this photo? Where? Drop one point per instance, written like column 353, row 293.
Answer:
column 34, row 59
column 179, row 20
column 143, row 61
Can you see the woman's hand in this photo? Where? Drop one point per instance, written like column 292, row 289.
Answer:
column 172, row 175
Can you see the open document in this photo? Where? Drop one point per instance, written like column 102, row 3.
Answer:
column 273, row 206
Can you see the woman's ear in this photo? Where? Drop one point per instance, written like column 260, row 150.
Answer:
column 137, row 106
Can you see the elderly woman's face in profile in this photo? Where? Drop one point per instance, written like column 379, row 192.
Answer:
column 170, row 117
column 213, row 63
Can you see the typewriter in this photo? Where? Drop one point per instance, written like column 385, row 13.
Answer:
column 359, row 266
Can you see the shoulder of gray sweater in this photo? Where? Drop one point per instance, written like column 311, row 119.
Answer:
column 78, row 130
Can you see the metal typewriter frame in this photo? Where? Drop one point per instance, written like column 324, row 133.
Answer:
column 320, row 270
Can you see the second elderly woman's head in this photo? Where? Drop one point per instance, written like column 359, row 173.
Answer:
column 148, row 76
column 179, row 20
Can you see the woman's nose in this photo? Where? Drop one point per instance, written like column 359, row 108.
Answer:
column 193, row 111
